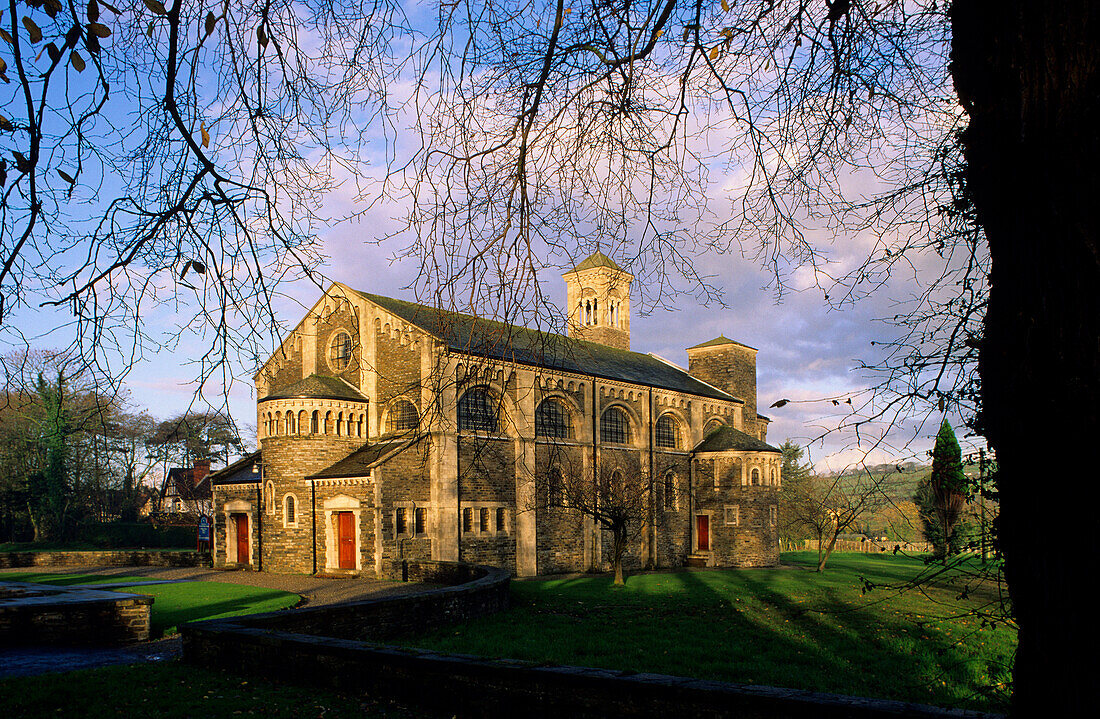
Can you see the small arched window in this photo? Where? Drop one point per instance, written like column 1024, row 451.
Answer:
column 269, row 496
column 552, row 420
column 290, row 510
column 712, row 426
column 755, row 477
column 303, row 422
column 477, row 412
column 340, row 351
column 668, row 432
column 402, row 417
column 670, row 490
column 289, row 421
column 614, row 426
column 314, row 421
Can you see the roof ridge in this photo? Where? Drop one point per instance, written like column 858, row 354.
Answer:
column 493, row 338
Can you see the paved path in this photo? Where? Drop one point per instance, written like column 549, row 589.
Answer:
column 25, row 661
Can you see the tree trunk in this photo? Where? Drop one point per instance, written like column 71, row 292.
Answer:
column 1028, row 74
column 617, row 555
column 822, row 558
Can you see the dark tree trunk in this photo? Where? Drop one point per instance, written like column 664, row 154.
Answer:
column 1028, row 74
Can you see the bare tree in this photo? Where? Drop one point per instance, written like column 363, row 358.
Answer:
column 830, row 506
column 615, row 497
column 175, row 154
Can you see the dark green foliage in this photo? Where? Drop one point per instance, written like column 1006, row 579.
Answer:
column 941, row 497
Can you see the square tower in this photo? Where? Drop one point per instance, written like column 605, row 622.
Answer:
column 598, row 300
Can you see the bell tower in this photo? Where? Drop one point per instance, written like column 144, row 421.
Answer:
column 598, row 299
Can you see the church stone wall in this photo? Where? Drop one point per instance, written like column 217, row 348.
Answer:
column 487, row 482
column 732, row 368
column 672, row 528
column 560, row 531
column 338, row 315
column 397, row 363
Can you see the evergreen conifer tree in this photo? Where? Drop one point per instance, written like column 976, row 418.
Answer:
column 941, row 497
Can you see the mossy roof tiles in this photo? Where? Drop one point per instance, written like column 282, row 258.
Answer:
column 727, row 438
column 359, row 462
column 318, row 386
column 596, row 259
column 718, row 341
column 497, row 340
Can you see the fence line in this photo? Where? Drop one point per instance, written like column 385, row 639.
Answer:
column 869, row 546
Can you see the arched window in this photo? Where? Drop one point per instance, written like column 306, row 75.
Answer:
column 712, row 425
column 289, row 422
column 303, row 422
column 314, row 421
column 340, row 424
column 614, row 426
column 269, row 496
column 668, row 432
column 340, row 351
column 289, row 515
column 552, row 420
column 402, row 417
column 326, row 428
column 755, row 477
column 670, row 490
column 477, row 411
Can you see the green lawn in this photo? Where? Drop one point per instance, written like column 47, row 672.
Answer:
column 176, row 604
column 788, row 627
column 175, row 691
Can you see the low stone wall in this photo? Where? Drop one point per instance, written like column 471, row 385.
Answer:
column 468, row 686
column 323, row 647
column 39, row 614
column 474, row 592
column 104, row 558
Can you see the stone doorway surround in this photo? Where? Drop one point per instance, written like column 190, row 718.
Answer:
column 332, row 508
column 238, row 506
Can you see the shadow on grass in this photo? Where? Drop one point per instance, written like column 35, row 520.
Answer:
column 796, row 629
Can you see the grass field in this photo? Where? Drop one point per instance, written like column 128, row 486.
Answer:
column 175, row 691
column 176, row 604
column 788, row 627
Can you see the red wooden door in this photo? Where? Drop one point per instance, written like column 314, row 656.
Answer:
column 702, row 531
column 346, row 542
column 240, row 522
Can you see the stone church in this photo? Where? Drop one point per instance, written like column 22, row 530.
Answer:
column 390, row 430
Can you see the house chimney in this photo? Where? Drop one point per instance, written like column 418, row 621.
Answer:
column 202, row 468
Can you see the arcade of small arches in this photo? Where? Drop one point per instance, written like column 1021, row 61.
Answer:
column 588, row 313
column 350, row 422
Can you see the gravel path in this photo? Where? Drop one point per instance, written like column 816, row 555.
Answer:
column 25, row 661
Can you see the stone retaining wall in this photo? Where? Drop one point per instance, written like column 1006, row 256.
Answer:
column 466, row 686
column 39, row 614
column 475, row 592
column 104, row 558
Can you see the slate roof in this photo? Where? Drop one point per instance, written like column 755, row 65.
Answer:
column 359, row 462
column 240, row 472
column 497, row 340
column 725, row 438
column 596, row 259
column 720, row 340
column 318, row 386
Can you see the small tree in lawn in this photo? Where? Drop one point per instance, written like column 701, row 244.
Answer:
column 829, row 506
column 941, row 497
column 616, row 498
